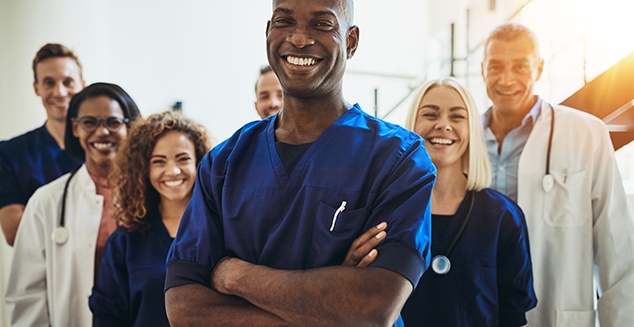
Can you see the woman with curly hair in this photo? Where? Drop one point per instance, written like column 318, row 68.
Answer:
column 154, row 177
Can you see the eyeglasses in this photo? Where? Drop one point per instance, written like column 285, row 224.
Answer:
column 90, row 123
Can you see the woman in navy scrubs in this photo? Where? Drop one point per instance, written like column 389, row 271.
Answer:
column 480, row 273
column 154, row 178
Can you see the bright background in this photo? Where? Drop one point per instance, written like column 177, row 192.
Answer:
column 207, row 54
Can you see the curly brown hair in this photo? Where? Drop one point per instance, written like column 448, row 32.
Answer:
column 134, row 195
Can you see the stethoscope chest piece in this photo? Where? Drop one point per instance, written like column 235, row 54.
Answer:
column 441, row 264
column 60, row 235
column 548, row 183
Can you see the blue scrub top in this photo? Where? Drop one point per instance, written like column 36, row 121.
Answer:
column 490, row 282
column 29, row 161
column 246, row 205
column 129, row 289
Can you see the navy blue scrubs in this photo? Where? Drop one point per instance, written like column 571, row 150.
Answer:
column 29, row 161
column 245, row 204
column 129, row 289
column 490, row 282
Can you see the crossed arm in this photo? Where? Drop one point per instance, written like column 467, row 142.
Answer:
column 253, row 295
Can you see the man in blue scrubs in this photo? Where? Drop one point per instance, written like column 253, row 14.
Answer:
column 33, row 159
column 277, row 206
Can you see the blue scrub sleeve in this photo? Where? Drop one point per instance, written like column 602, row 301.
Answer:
column 10, row 191
column 109, row 301
column 402, row 259
column 199, row 243
column 515, row 279
column 404, row 202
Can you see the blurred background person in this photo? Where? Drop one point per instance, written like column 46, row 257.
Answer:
column 67, row 222
column 37, row 157
column 558, row 164
column 268, row 92
column 153, row 180
column 480, row 273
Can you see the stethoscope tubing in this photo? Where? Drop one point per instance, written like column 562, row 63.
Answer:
column 60, row 233
column 441, row 263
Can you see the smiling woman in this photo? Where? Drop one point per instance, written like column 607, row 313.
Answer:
column 153, row 179
column 481, row 270
column 57, row 255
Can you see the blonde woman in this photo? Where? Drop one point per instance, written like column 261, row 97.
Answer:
column 480, row 273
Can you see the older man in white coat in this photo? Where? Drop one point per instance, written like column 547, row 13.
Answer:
column 558, row 164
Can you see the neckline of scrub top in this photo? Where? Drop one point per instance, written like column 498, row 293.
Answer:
column 283, row 177
column 452, row 229
column 165, row 234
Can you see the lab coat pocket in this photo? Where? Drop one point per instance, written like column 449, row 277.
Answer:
column 569, row 201
column 576, row 318
column 329, row 248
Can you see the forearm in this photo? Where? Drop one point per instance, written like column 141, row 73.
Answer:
column 330, row 296
column 10, row 216
column 197, row 305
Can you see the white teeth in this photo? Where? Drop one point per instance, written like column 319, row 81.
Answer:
column 102, row 146
column 174, row 183
column 441, row 141
column 301, row 61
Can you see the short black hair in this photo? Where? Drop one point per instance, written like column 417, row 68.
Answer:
column 112, row 91
column 52, row 50
column 263, row 70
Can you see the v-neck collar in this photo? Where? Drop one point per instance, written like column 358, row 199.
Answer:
column 285, row 178
column 450, row 232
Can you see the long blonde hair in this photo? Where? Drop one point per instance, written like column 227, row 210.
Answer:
column 475, row 160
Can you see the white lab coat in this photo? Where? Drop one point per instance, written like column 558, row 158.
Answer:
column 583, row 223
column 49, row 284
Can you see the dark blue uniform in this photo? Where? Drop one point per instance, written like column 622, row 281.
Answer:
column 29, row 161
column 247, row 205
column 490, row 282
column 129, row 290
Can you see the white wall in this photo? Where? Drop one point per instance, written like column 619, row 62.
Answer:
column 204, row 53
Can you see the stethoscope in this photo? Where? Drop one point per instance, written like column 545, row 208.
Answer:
column 60, row 233
column 548, row 182
column 441, row 263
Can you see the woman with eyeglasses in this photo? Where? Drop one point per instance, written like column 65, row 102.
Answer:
column 153, row 180
column 66, row 223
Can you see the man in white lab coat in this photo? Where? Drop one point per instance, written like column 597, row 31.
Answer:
column 580, row 230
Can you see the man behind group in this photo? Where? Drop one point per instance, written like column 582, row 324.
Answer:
column 578, row 217
column 37, row 157
column 268, row 92
column 277, row 206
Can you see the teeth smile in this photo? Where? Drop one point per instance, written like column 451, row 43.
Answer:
column 441, row 141
column 174, row 183
column 300, row 61
column 102, row 146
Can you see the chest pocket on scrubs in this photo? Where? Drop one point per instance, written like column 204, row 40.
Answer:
column 569, row 203
column 330, row 248
column 478, row 278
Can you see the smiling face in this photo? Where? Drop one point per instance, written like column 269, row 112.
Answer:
column 510, row 70
column 173, row 167
column 308, row 43
column 101, row 144
column 443, row 123
column 58, row 79
column 269, row 93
